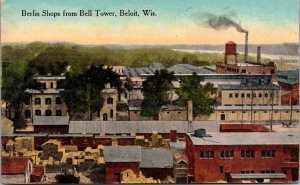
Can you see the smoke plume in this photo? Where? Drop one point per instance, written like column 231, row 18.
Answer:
column 217, row 22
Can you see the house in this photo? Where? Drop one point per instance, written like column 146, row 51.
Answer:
column 46, row 101
column 239, row 156
column 289, row 83
column 16, row 170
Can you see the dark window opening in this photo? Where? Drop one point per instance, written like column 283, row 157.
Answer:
column 111, row 113
column 37, row 112
column 58, row 112
column 110, row 100
column 48, row 101
column 37, row 101
column 104, row 117
column 48, row 112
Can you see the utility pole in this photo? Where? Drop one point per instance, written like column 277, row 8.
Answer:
column 272, row 96
column 251, row 104
column 243, row 107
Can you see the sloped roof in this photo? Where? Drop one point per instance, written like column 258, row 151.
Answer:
column 289, row 77
column 50, row 120
column 14, row 165
column 122, row 153
column 157, row 158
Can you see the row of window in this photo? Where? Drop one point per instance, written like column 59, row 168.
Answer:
column 230, row 154
column 37, row 101
column 39, row 113
column 248, row 171
column 242, row 95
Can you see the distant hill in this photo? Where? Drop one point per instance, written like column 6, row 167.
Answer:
column 290, row 49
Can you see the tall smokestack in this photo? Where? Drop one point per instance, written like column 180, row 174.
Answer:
column 246, row 47
column 258, row 54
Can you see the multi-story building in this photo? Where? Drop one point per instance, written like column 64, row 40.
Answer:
column 46, row 101
column 243, row 157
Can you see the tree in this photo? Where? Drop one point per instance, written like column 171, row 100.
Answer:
column 155, row 90
column 17, row 77
column 69, row 176
column 191, row 89
column 82, row 91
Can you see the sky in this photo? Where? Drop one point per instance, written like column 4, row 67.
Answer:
column 268, row 21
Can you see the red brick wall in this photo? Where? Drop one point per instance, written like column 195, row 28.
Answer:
column 102, row 141
column 112, row 168
column 208, row 170
column 242, row 128
column 126, row 141
column 57, row 129
column 157, row 173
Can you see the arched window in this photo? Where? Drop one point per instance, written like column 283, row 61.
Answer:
column 37, row 112
column 104, row 117
column 111, row 113
column 37, row 101
column 58, row 100
column 51, row 85
column 110, row 100
column 48, row 112
column 48, row 101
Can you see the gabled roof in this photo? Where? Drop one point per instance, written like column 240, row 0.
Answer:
column 157, row 158
column 289, row 77
column 14, row 165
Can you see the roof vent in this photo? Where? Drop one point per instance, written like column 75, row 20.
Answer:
column 201, row 132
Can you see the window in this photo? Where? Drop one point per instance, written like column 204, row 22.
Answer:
column 58, row 113
column 232, row 111
column 253, row 95
column 230, row 95
column 268, row 153
column 236, row 95
column 37, row 112
column 247, row 153
column 48, row 101
column 206, row 154
column 260, row 95
column 27, row 101
column 242, row 95
column 221, row 169
column 248, row 95
column 135, row 112
column 111, row 113
column 125, row 95
column 226, row 154
column 104, row 117
column 222, row 116
column 266, row 95
column 48, row 112
column 110, row 100
column 37, row 101
column 51, row 85
column 58, row 100
column 27, row 114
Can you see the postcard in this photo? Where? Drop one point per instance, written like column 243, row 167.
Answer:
column 127, row 91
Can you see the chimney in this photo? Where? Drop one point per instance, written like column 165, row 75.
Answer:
column 173, row 136
column 258, row 54
column 246, row 47
column 190, row 110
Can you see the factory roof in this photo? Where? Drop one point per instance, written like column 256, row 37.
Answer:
column 248, row 87
column 112, row 127
column 246, row 138
column 122, row 154
column 187, row 69
column 180, row 145
column 258, row 176
column 50, row 120
column 109, row 91
column 49, row 77
column 157, row 158
column 289, row 77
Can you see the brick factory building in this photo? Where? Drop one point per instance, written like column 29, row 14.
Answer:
column 243, row 157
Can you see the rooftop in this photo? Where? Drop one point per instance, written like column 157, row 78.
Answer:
column 128, row 127
column 258, row 176
column 247, row 138
column 49, row 77
column 14, row 165
column 172, row 107
column 122, row 154
column 157, row 158
column 50, row 120
column 289, row 77
column 248, row 87
column 43, row 91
